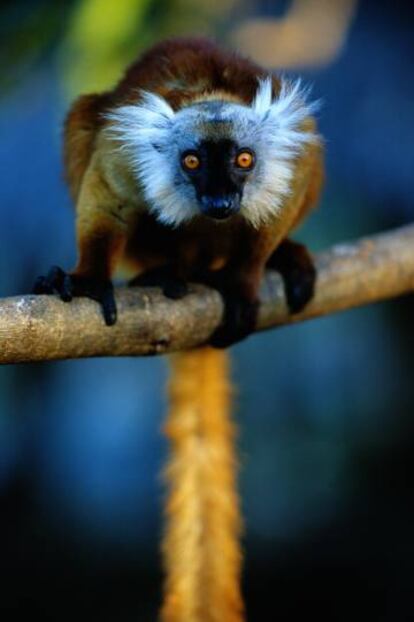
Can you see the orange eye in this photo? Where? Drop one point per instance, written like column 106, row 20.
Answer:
column 245, row 159
column 191, row 162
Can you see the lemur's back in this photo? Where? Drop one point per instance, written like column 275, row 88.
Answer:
column 182, row 69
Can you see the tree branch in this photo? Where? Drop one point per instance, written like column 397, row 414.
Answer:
column 38, row 328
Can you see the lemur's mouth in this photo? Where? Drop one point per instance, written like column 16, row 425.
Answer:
column 220, row 207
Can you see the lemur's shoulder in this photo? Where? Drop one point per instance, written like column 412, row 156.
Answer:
column 81, row 127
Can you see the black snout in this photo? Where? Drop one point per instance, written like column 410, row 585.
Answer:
column 220, row 207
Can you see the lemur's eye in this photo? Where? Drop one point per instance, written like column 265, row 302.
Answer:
column 191, row 162
column 245, row 159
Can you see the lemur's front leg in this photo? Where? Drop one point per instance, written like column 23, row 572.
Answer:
column 91, row 277
column 240, row 281
column 240, row 308
column 101, row 238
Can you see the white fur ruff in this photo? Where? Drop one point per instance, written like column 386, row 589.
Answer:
column 153, row 136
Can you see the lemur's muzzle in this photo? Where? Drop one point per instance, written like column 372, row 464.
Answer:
column 220, row 207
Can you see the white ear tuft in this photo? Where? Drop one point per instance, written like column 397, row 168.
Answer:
column 281, row 134
column 263, row 97
column 156, row 104
column 144, row 133
column 291, row 105
column 151, row 115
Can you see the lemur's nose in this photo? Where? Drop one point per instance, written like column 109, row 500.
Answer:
column 219, row 207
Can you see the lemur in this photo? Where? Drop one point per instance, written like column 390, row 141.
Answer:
column 195, row 167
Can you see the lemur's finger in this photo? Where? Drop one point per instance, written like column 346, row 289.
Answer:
column 109, row 305
column 66, row 291
column 42, row 286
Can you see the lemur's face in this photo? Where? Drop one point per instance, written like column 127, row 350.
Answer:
column 215, row 158
column 213, row 152
column 218, row 171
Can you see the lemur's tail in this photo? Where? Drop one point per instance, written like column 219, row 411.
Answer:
column 201, row 548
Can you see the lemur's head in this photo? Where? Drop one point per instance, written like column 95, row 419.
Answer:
column 215, row 157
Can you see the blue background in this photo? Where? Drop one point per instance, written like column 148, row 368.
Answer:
column 324, row 409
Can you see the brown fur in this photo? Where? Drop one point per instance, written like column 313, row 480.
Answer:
column 201, row 553
column 81, row 126
column 181, row 71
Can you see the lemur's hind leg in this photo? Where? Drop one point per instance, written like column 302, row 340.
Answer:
column 296, row 266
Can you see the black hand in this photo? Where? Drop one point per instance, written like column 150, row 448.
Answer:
column 239, row 322
column 67, row 286
column 296, row 266
column 299, row 288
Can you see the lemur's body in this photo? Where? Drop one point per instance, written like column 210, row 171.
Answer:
column 195, row 167
column 182, row 96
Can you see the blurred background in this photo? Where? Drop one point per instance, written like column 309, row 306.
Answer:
column 324, row 409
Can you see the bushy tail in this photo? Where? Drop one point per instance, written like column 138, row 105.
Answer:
column 201, row 549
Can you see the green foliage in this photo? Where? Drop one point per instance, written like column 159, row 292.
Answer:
column 100, row 41
column 94, row 40
column 103, row 38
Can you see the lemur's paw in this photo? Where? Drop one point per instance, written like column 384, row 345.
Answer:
column 296, row 266
column 175, row 289
column 172, row 287
column 68, row 286
column 299, row 288
column 238, row 323
column 55, row 282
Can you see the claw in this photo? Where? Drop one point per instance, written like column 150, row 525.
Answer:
column 108, row 304
column 67, row 288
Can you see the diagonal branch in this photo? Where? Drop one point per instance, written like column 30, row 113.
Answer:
column 36, row 328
